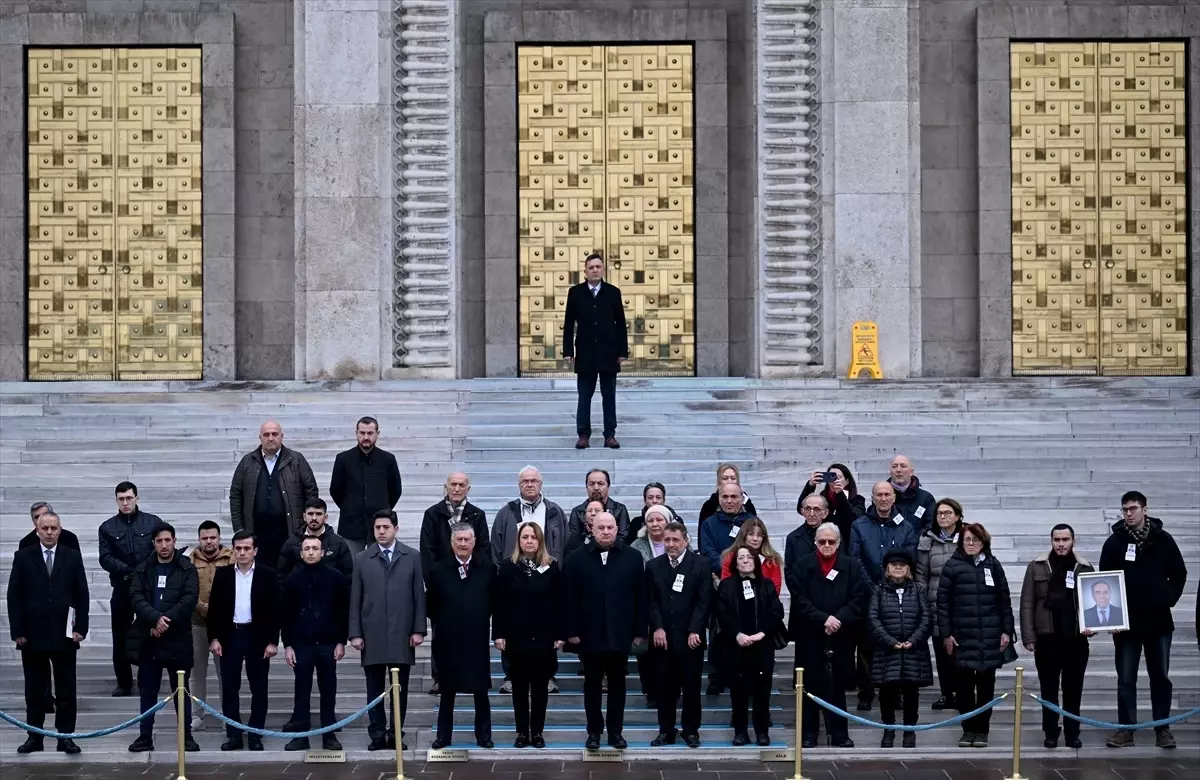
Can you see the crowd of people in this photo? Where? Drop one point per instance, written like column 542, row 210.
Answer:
column 871, row 586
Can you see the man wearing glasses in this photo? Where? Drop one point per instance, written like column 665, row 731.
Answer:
column 802, row 542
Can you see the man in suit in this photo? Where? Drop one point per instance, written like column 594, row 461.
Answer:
column 243, row 627
column 365, row 479
column 1103, row 614
column 269, row 489
column 48, row 618
column 387, row 621
column 435, row 534
column 600, row 348
column 679, row 591
column 65, row 537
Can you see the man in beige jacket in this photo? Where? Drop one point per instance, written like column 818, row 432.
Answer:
column 208, row 556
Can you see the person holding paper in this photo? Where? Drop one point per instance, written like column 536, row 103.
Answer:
column 48, row 618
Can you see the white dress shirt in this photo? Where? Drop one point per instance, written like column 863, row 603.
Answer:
column 271, row 460
column 594, row 289
column 242, row 583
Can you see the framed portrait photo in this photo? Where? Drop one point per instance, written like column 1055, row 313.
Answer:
column 1102, row 602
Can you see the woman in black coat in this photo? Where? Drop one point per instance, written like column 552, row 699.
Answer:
column 845, row 504
column 750, row 615
column 975, row 621
column 900, row 619
column 528, row 626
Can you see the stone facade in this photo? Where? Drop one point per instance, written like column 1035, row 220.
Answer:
column 360, row 173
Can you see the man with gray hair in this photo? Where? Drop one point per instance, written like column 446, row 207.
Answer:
column 65, row 537
column 458, row 597
column 802, row 542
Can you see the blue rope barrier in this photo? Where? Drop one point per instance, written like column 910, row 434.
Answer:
column 1101, row 724
column 897, row 727
column 292, row 734
column 86, row 734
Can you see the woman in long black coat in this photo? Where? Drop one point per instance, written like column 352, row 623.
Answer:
column 975, row 621
column 528, row 626
column 750, row 615
column 899, row 619
column 458, row 598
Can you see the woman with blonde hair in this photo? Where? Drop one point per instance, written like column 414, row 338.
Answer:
column 753, row 534
column 726, row 472
column 527, row 625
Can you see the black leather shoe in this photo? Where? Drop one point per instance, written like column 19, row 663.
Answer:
column 330, row 742
column 888, row 740
column 486, row 744
column 32, row 744
column 69, row 747
column 522, row 741
column 233, row 743
column 255, row 742
column 439, row 744
column 864, row 705
column 692, row 740
column 741, row 738
column 662, row 739
column 378, row 743
column 843, row 742
column 943, row 703
column 1049, row 743
column 539, row 742
column 909, row 739
column 190, row 745
column 617, row 742
column 299, row 743
column 119, row 691
column 808, row 742
column 1075, row 743
column 762, row 739
column 592, row 743
column 142, row 745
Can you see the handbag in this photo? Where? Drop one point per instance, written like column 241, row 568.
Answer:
column 779, row 637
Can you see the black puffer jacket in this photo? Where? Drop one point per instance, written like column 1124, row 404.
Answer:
column 975, row 613
column 894, row 620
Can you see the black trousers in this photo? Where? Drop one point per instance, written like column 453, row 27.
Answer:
column 308, row 659
column 893, row 696
column 596, row 666
column 1129, row 646
column 586, row 385
column 946, row 670
column 121, row 611
column 241, row 649
column 974, row 690
column 827, row 679
column 37, row 666
column 677, row 671
column 483, row 716
column 149, row 680
column 378, row 678
column 751, row 682
column 1064, row 658
column 530, row 672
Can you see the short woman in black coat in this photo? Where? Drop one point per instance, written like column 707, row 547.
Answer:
column 899, row 619
column 528, row 625
column 975, row 622
column 750, row 614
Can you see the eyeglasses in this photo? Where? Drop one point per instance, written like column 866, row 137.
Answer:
column 826, row 543
column 945, row 513
column 812, row 510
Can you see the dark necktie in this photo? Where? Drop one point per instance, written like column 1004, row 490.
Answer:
column 387, row 557
column 674, row 562
column 49, row 562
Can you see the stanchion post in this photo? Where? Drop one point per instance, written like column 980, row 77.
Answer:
column 1020, row 694
column 796, row 774
column 397, row 723
column 181, row 723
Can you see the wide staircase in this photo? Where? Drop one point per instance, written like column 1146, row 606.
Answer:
column 1021, row 455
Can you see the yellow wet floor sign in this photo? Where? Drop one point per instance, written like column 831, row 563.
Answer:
column 864, row 339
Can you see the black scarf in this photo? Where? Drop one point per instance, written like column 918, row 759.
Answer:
column 1059, row 599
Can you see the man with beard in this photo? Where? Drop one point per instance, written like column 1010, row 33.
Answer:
column 605, row 617
column 336, row 550
column 1050, row 625
column 208, row 556
column 365, row 480
column 598, row 484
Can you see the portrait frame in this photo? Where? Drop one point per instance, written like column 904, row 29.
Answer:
column 1088, row 616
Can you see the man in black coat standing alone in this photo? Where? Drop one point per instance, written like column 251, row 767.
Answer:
column 365, row 480
column 599, row 350
column 679, row 590
column 48, row 618
column 315, row 622
column 606, row 616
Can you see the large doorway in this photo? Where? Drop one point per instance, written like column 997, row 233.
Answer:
column 115, row 254
column 605, row 147
column 1099, row 208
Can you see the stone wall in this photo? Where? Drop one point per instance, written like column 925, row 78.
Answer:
column 249, row 262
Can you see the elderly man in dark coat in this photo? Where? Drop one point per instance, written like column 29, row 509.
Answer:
column 459, row 598
column 827, row 601
column 599, row 349
column 606, row 616
column 387, row 620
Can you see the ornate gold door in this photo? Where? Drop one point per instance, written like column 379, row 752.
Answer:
column 115, row 255
column 1099, row 207
column 605, row 150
